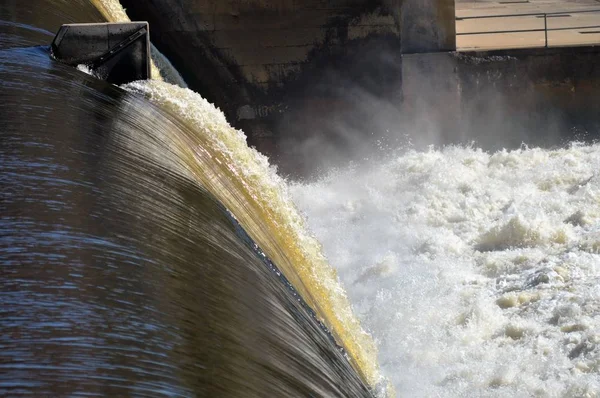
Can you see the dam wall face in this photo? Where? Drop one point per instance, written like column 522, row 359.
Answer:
column 327, row 79
column 501, row 99
column 427, row 26
column 286, row 70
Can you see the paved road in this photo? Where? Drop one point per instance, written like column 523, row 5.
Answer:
column 578, row 22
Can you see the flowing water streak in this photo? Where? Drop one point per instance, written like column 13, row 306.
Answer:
column 161, row 67
column 255, row 194
column 242, row 179
column 302, row 248
column 477, row 272
column 119, row 274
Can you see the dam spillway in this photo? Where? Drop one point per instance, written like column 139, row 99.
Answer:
column 475, row 269
column 118, row 271
column 85, row 166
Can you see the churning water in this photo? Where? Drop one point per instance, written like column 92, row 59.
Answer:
column 477, row 273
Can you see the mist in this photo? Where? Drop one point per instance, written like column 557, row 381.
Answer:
column 479, row 100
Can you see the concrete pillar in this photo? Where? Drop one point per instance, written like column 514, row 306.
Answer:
column 428, row 26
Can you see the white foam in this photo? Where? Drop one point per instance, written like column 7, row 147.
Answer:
column 85, row 69
column 478, row 274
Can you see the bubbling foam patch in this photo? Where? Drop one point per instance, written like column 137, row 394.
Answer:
column 477, row 273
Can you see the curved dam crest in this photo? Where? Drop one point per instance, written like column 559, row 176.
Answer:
column 216, row 156
column 120, row 273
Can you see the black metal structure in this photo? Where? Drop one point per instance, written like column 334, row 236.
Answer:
column 116, row 52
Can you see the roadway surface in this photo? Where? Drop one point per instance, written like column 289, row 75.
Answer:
column 568, row 23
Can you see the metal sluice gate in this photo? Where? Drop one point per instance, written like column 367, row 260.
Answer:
column 116, row 52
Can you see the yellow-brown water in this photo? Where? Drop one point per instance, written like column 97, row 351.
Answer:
column 153, row 163
column 241, row 179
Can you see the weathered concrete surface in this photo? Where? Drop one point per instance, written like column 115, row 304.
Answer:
column 501, row 99
column 317, row 79
column 428, row 26
column 279, row 69
column 117, row 52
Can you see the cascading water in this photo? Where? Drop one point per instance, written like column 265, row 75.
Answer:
column 241, row 178
column 120, row 274
column 67, row 196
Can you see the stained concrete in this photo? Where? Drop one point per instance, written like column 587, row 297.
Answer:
column 428, row 26
column 500, row 99
column 270, row 64
column 335, row 79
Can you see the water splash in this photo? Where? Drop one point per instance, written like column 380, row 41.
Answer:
column 476, row 272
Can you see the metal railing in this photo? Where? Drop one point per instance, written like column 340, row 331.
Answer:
column 545, row 29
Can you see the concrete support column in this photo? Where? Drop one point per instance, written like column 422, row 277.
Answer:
column 428, row 26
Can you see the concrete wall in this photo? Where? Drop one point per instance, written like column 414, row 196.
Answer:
column 244, row 47
column 501, row 99
column 285, row 70
column 428, row 26
column 310, row 77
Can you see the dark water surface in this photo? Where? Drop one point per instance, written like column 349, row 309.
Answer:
column 26, row 23
column 119, row 275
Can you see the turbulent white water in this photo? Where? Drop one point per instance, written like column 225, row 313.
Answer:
column 478, row 274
